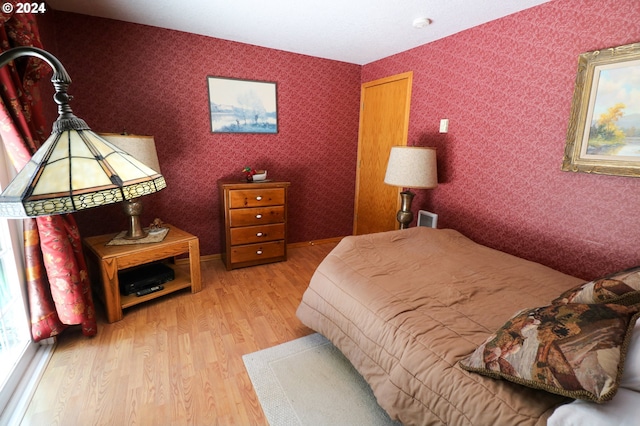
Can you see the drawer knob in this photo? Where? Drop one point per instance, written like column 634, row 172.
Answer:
column 259, row 197
column 258, row 216
column 259, row 234
column 258, row 251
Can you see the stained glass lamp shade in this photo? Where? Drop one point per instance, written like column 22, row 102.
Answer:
column 75, row 168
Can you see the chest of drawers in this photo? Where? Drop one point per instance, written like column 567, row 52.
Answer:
column 255, row 222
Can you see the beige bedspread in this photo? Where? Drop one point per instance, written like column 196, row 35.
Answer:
column 405, row 306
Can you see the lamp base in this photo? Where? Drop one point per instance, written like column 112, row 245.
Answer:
column 405, row 215
column 133, row 209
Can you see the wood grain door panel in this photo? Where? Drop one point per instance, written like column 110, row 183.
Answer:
column 384, row 122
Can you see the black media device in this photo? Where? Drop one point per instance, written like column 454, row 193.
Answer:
column 149, row 290
column 144, row 277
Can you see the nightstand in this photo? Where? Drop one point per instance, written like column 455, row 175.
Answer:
column 104, row 262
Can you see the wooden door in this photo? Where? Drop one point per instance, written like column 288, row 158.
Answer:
column 384, row 122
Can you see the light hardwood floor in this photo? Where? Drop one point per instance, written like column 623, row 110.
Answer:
column 177, row 360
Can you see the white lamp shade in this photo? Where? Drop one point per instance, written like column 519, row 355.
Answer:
column 142, row 148
column 412, row 167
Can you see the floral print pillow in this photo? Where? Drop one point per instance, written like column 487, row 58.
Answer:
column 575, row 350
column 622, row 288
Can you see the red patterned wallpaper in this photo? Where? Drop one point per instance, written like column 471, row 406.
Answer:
column 506, row 88
column 154, row 81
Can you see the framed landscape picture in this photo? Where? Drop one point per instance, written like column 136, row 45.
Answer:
column 242, row 106
column 604, row 127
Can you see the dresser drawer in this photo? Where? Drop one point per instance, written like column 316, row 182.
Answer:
column 240, row 198
column 256, row 216
column 254, row 252
column 256, row 234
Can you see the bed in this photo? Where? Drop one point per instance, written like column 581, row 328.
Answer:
column 406, row 307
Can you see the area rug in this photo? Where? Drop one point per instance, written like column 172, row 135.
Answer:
column 309, row 382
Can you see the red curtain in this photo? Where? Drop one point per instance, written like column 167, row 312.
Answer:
column 62, row 295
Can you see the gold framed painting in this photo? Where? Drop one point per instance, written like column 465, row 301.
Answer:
column 604, row 127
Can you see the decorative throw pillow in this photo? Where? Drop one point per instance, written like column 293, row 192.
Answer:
column 575, row 350
column 621, row 287
column 631, row 376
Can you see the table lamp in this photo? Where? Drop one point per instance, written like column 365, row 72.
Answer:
column 143, row 148
column 75, row 168
column 411, row 167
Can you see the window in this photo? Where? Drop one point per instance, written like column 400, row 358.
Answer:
column 13, row 325
column 15, row 339
column 21, row 360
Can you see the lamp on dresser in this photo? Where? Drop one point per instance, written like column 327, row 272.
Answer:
column 75, row 168
column 411, row 167
column 142, row 148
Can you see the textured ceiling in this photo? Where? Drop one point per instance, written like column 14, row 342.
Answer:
column 355, row 31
